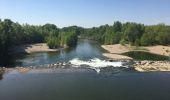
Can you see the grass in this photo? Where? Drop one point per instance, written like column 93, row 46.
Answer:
column 137, row 48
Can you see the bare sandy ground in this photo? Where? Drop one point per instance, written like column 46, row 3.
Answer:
column 115, row 51
column 160, row 50
column 118, row 49
column 116, row 56
column 143, row 66
column 40, row 47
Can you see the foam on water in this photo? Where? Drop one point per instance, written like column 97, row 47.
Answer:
column 95, row 63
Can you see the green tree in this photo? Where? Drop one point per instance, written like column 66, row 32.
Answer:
column 133, row 32
column 163, row 38
column 148, row 39
column 71, row 39
column 117, row 27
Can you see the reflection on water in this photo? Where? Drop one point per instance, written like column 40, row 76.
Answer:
column 114, row 82
column 85, row 50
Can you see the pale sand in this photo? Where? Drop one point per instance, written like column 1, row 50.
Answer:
column 143, row 66
column 160, row 50
column 115, row 51
column 116, row 56
column 40, row 47
column 118, row 49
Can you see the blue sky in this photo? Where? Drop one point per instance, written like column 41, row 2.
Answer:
column 86, row 13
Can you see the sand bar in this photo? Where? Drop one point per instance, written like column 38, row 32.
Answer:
column 40, row 47
column 117, row 56
column 118, row 49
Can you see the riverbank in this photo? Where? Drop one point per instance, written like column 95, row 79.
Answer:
column 32, row 48
column 147, row 66
column 116, row 56
column 119, row 49
column 115, row 52
column 140, row 66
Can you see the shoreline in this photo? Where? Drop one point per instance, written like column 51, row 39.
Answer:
column 119, row 49
column 150, row 66
column 33, row 48
column 116, row 50
column 114, row 54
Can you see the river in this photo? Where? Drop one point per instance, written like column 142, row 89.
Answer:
column 114, row 81
column 85, row 50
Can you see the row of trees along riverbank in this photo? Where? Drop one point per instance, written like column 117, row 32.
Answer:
column 130, row 33
column 12, row 34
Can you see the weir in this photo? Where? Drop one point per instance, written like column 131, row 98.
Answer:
column 94, row 64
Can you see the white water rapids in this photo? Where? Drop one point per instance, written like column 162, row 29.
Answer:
column 96, row 63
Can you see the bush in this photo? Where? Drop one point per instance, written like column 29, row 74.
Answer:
column 53, row 42
column 137, row 42
column 122, row 42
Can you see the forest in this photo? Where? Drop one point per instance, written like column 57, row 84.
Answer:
column 13, row 33
column 130, row 33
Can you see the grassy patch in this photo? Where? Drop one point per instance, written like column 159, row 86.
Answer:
column 136, row 48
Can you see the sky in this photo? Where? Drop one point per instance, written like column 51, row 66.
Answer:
column 85, row 13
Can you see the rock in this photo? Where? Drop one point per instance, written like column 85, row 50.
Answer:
column 152, row 66
column 64, row 64
column 142, row 62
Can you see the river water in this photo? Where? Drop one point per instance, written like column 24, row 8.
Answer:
column 101, row 80
column 85, row 50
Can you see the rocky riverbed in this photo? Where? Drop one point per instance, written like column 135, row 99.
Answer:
column 147, row 66
column 141, row 66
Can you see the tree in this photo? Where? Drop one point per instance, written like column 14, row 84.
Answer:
column 117, row 27
column 133, row 32
column 53, row 42
column 148, row 39
column 109, row 36
column 163, row 38
column 71, row 39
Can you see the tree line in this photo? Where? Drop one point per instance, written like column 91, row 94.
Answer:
column 130, row 33
column 12, row 34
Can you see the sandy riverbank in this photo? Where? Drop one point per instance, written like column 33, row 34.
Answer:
column 119, row 49
column 117, row 56
column 40, row 47
column 115, row 52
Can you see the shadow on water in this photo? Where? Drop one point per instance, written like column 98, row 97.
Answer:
column 9, row 61
column 1, row 73
column 138, row 55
